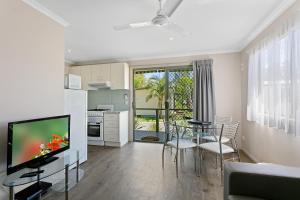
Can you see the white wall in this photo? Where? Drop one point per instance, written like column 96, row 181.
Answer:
column 140, row 102
column 31, row 67
column 227, row 77
column 262, row 143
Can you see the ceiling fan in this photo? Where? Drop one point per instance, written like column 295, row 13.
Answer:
column 162, row 19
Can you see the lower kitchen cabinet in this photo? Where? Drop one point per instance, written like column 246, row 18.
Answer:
column 116, row 128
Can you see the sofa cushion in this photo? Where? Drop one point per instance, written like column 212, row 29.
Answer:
column 236, row 197
column 264, row 186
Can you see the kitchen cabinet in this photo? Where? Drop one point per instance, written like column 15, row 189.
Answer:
column 119, row 76
column 75, row 70
column 100, row 73
column 85, row 77
column 116, row 128
column 115, row 73
column 85, row 74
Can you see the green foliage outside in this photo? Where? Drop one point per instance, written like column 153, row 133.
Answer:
column 181, row 87
column 139, row 81
column 156, row 88
column 180, row 93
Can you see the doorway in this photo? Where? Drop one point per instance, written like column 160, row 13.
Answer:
column 159, row 95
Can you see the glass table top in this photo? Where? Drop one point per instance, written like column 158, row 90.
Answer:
column 67, row 158
column 201, row 126
column 200, row 123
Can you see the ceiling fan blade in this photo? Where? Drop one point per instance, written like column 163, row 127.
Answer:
column 204, row 2
column 132, row 25
column 177, row 29
column 170, row 6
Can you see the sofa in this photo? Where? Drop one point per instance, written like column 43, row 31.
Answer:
column 245, row 181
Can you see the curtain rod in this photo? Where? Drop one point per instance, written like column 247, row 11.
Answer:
column 161, row 65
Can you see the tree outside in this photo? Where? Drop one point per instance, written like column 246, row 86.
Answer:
column 156, row 89
column 150, row 93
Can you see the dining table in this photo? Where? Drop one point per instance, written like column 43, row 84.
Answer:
column 197, row 130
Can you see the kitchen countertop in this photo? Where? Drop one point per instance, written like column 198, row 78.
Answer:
column 116, row 112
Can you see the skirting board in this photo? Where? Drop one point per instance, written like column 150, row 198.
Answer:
column 250, row 156
column 96, row 143
column 115, row 144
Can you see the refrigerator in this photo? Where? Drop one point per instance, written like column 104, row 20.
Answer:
column 75, row 104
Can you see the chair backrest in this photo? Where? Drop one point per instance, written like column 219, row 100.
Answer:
column 225, row 120
column 171, row 131
column 229, row 130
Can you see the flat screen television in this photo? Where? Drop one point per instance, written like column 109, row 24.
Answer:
column 32, row 142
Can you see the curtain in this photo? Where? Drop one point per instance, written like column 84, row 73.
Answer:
column 204, row 93
column 274, row 80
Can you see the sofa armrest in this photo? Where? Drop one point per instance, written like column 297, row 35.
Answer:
column 266, row 181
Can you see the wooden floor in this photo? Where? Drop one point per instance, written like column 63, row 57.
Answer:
column 134, row 172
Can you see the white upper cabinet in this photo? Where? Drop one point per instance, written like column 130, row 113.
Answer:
column 100, row 73
column 75, row 70
column 116, row 73
column 82, row 71
column 85, row 77
column 119, row 76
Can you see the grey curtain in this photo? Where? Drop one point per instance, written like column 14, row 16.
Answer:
column 204, row 92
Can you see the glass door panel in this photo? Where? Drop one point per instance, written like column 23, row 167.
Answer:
column 180, row 93
column 160, row 95
column 149, row 105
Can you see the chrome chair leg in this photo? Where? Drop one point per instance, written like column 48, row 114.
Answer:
column 200, row 161
column 221, row 160
column 176, row 159
column 238, row 151
column 239, row 156
column 181, row 157
column 163, row 157
column 195, row 158
column 203, row 155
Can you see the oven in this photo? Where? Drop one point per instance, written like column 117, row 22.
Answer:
column 95, row 124
column 95, row 128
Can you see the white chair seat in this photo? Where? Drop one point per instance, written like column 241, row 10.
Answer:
column 214, row 139
column 215, row 147
column 182, row 143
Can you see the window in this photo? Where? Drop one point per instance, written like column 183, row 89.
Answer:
column 274, row 81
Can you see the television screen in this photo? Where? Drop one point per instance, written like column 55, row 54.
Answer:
column 34, row 139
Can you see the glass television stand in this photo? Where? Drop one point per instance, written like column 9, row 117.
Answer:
column 56, row 177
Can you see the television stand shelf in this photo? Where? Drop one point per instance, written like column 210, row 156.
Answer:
column 67, row 164
column 32, row 174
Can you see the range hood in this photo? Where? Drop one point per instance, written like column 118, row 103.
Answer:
column 99, row 85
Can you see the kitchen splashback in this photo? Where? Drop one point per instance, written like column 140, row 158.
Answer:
column 118, row 98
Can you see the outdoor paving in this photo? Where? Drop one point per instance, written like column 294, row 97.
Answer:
column 139, row 134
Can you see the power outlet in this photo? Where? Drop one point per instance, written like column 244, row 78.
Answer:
column 126, row 99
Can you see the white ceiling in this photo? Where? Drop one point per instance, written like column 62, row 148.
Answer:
column 214, row 26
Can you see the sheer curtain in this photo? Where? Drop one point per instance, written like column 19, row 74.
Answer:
column 274, row 80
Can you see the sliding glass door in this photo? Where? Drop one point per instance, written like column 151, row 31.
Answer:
column 160, row 94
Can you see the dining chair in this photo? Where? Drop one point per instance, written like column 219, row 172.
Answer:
column 219, row 120
column 229, row 130
column 173, row 139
